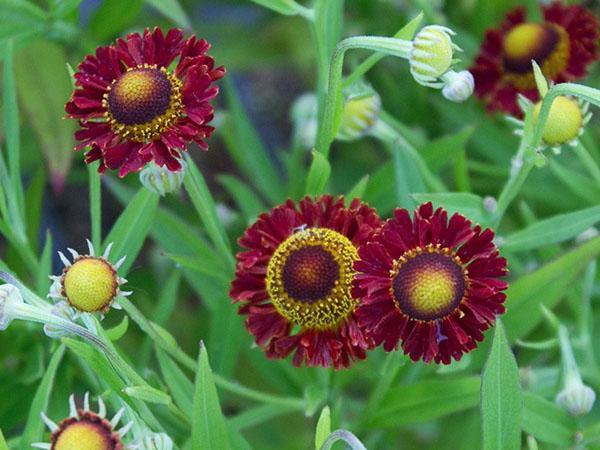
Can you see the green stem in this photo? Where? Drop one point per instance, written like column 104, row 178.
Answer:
column 333, row 97
column 523, row 164
column 189, row 362
column 95, row 207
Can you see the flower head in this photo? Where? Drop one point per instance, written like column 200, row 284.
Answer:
column 563, row 45
column 430, row 283
column 134, row 109
column 10, row 300
column 294, row 280
column 86, row 429
column 88, row 284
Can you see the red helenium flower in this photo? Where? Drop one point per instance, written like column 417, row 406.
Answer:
column 430, row 283
column 294, row 280
column 563, row 45
column 135, row 105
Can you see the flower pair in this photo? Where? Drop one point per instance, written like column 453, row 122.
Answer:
column 327, row 282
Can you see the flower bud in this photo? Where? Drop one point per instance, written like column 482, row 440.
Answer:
column 10, row 297
column 361, row 112
column 564, row 123
column 577, row 398
column 459, row 86
column 432, row 54
column 304, row 118
column 161, row 180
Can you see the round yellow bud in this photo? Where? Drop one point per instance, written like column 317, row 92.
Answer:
column 84, row 435
column 90, row 284
column 432, row 52
column 564, row 121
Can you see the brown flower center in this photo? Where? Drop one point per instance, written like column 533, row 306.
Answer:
column 309, row 278
column 428, row 284
column 89, row 432
column 143, row 102
column 548, row 44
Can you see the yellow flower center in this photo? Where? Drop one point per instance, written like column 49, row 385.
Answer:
column 547, row 44
column 564, row 121
column 432, row 47
column 90, row 284
column 309, row 278
column 143, row 102
column 84, row 435
column 428, row 284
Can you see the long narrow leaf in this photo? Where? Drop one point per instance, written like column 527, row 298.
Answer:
column 208, row 424
column 501, row 402
column 131, row 228
column 34, row 429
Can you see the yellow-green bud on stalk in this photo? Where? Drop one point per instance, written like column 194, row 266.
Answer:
column 361, row 112
column 161, row 180
column 431, row 59
column 565, row 122
column 575, row 397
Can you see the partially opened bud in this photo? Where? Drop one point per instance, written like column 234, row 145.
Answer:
column 161, row 180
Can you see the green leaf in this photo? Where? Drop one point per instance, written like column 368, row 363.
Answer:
column 172, row 10
column 62, row 8
column 202, row 199
column 34, row 196
column 441, row 151
column 318, row 175
column 208, row 425
column 501, row 401
column 245, row 198
column 469, row 205
column 3, row 445
column 358, row 190
column 546, row 286
column 425, row 401
column 179, row 385
column 547, row 422
column 116, row 333
column 323, row 428
column 247, row 150
column 34, row 430
column 40, row 73
column 550, row 231
column 148, row 394
column 42, row 282
column 131, row 228
column 112, row 17
column 286, row 7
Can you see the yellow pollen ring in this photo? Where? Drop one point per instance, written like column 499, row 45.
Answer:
column 90, row 284
column 135, row 86
column 548, row 44
column 325, row 312
column 84, row 435
column 428, row 283
column 564, row 121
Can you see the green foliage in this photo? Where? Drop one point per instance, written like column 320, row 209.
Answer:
column 501, row 402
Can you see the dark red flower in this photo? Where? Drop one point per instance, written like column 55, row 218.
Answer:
column 563, row 45
column 294, row 280
column 431, row 283
column 135, row 107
